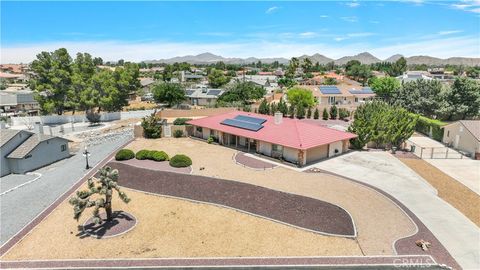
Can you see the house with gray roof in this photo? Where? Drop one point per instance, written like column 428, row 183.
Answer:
column 23, row 151
column 203, row 96
column 463, row 135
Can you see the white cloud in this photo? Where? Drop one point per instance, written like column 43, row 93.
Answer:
column 468, row 6
column 351, row 19
column 353, row 4
column 324, row 16
column 271, row 10
column 465, row 46
column 375, row 22
column 449, row 32
column 308, row 34
column 361, row 34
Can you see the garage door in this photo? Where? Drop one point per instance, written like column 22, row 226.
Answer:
column 317, row 153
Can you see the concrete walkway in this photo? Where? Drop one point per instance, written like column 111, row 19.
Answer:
column 458, row 234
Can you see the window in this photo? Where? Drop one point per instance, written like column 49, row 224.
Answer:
column 28, row 156
column 199, row 129
column 448, row 133
column 331, row 100
column 277, row 148
column 64, row 147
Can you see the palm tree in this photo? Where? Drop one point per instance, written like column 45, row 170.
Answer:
column 101, row 186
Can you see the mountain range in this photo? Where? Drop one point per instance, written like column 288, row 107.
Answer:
column 364, row 58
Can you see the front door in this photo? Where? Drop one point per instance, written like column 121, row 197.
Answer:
column 457, row 139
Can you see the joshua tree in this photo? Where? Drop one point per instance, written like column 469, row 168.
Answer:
column 101, row 186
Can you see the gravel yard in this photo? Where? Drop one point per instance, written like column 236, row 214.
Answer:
column 379, row 222
column 175, row 228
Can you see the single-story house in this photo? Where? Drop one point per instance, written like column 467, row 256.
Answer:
column 23, row 151
column 203, row 96
column 463, row 135
column 287, row 139
column 413, row 76
column 18, row 100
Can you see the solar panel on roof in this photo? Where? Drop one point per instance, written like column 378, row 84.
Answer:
column 366, row 90
column 241, row 124
column 214, row 92
column 250, row 119
column 331, row 89
column 189, row 92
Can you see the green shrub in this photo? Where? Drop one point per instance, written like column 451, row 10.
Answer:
column 124, row 154
column 180, row 161
column 343, row 113
column 159, row 156
column 151, row 127
column 178, row 133
column 424, row 124
column 143, row 154
column 181, row 121
column 210, row 139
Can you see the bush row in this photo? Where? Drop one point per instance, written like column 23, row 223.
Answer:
column 424, row 125
column 177, row 161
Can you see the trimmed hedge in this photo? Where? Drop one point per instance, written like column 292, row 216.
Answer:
column 143, row 154
column 124, row 154
column 181, row 121
column 180, row 161
column 159, row 156
column 424, row 124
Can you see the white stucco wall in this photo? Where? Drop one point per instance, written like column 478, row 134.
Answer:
column 265, row 148
column 205, row 133
column 290, row 154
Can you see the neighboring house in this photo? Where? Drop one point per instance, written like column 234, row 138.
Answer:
column 413, row 76
column 9, row 140
column 362, row 95
column 188, row 77
column 203, row 96
column 287, row 139
column 23, row 151
column 463, row 135
column 14, row 101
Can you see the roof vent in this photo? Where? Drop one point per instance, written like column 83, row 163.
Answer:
column 278, row 119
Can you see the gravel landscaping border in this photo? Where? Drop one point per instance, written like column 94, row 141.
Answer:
column 299, row 211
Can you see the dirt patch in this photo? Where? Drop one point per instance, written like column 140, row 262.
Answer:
column 449, row 189
column 175, row 228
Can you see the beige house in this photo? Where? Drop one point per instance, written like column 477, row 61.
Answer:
column 464, row 135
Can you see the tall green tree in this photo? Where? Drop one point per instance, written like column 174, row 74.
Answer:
column 243, row 92
column 316, row 114
column 425, row 97
column 217, row 78
column 385, row 87
column 264, row 108
column 464, row 99
column 325, row 114
column 397, row 68
column 333, row 112
column 170, row 93
column 298, row 95
column 52, row 80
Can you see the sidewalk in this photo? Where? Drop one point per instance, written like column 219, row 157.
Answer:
column 456, row 232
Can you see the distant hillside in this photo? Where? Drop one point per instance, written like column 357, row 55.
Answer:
column 364, row 58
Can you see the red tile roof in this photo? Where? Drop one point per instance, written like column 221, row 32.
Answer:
column 291, row 132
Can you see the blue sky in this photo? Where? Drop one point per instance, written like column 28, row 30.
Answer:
column 153, row 30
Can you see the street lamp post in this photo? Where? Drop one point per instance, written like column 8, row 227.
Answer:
column 86, row 154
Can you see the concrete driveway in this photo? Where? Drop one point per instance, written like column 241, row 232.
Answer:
column 428, row 148
column 466, row 171
column 456, row 232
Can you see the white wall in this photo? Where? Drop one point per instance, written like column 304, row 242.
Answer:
column 265, row 148
column 62, row 119
column 290, row 154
